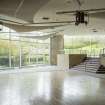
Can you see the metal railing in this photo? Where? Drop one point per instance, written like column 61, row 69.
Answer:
column 92, row 63
column 102, row 51
column 71, row 51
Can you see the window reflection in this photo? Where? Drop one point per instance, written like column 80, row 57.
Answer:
column 43, row 88
column 80, row 86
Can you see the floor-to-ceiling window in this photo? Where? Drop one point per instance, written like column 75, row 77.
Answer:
column 16, row 51
column 85, row 44
column 34, row 51
column 4, row 47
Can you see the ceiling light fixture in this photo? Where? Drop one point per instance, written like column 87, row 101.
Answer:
column 81, row 18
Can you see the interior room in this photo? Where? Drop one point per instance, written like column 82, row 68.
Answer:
column 52, row 52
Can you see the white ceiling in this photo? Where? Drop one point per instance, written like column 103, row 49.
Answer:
column 33, row 11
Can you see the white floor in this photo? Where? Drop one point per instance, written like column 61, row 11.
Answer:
column 51, row 88
column 49, row 69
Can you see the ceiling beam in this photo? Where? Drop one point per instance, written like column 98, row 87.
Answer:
column 85, row 10
column 18, row 8
column 79, row 2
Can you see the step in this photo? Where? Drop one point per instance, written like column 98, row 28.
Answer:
column 101, row 72
column 90, row 65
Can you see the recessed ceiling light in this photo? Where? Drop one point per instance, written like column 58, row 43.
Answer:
column 95, row 31
column 45, row 18
column 68, row 1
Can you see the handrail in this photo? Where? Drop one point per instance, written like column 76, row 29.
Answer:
column 102, row 51
column 92, row 53
column 72, row 51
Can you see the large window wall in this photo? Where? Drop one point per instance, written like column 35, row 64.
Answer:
column 16, row 51
column 85, row 44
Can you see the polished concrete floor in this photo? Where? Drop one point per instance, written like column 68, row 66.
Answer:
column 51, row 88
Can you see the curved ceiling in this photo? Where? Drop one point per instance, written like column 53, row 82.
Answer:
column 22, row 9
column 24, row 14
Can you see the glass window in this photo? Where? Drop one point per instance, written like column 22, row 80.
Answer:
column 18, row 51
column 85, row 44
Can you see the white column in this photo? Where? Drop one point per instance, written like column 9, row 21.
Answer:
column 10, row 59
column 20, row 54
column 56, row 47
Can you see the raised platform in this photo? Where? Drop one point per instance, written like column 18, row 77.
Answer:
column 70, row 60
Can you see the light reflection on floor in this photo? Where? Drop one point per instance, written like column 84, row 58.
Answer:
column 51, row 88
